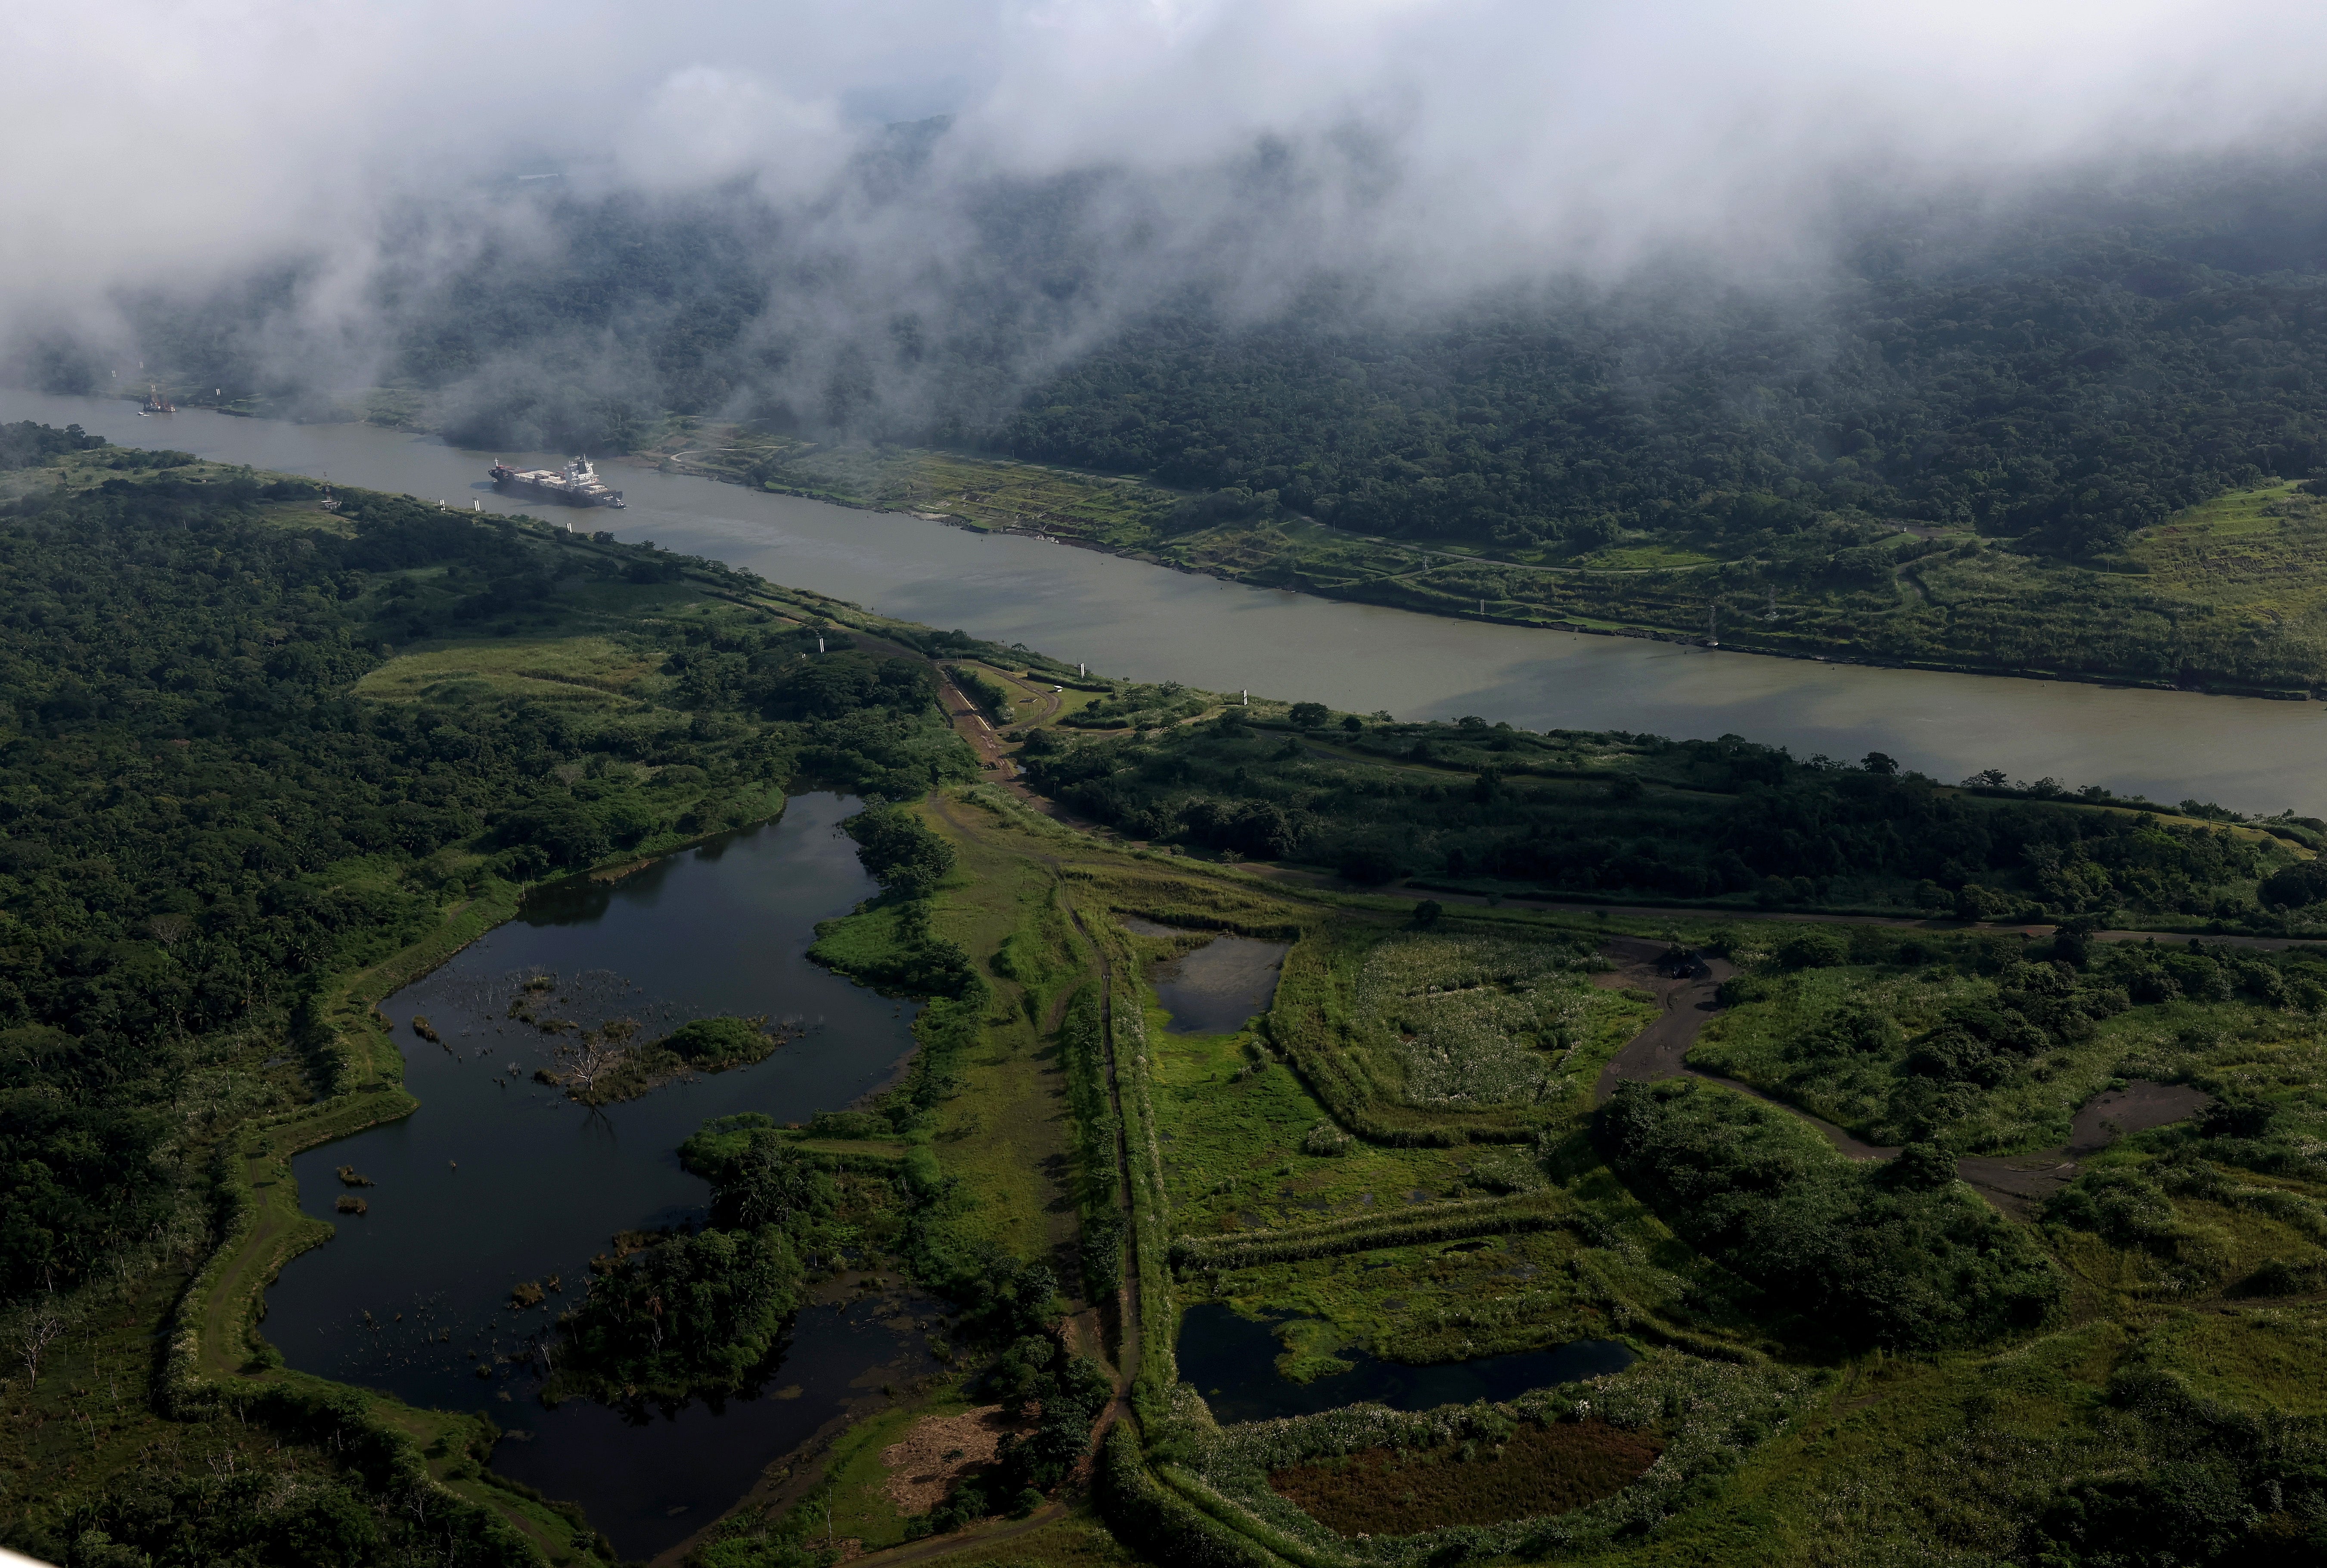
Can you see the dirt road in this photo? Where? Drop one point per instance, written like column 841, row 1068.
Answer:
column 2017, row 1184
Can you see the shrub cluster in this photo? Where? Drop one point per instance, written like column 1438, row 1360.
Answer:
column 899, row 851
column 1099, row 1189
column 1070, row 1391
column 1884, row 1257
column 700, row 1313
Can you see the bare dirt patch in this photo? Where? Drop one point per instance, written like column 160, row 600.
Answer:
column 2134, row 1109
column 940, row 1451
column 1541, row 1469
column 2019, row 1184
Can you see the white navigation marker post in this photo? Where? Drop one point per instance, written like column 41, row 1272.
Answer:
column 1244, row 698
column 1080, row 670
column 819, row 642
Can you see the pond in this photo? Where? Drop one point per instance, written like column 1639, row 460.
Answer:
column 1231, row 1360
column 1127, row 618
column 497, row 1179
column 1215, row 988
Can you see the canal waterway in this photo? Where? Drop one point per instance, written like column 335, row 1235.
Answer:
column 1128, row 618
column 497, row 1179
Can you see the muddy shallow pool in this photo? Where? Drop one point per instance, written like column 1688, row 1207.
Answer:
column 1220, row 986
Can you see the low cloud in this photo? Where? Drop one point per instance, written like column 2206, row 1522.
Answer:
column 165, row 149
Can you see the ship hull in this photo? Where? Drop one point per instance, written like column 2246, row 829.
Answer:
column 563, row 497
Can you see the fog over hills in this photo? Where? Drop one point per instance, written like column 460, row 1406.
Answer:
column 907, row 217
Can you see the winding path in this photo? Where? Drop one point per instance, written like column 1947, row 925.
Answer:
column 1688, row 990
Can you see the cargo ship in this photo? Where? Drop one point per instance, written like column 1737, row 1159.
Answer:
column 577, row 485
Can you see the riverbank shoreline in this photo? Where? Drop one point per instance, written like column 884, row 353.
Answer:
column 1740, row 641
column 1212, row 632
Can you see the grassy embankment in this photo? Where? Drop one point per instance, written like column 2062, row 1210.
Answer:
column 2034, row 1411
column 2185, row 605
column 2225, row 596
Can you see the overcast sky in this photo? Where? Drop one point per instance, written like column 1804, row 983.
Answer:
column 186, row 139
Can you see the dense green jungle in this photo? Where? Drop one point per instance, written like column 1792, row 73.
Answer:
column 1488, row 809
column 1963, row 444
column 1972, row 1214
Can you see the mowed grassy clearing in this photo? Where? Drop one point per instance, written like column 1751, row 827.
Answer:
column 1006, row 1134
column 584, row 671
column 987, row 493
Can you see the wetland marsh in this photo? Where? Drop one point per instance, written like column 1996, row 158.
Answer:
column 497, row 1181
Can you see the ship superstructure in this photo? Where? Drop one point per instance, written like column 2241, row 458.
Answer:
column 577, row 484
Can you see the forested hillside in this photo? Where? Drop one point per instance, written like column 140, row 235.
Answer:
column 2066, row 369
column 2078, row 397
column 1645, row 817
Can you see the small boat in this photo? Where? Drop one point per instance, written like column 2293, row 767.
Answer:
column 155, row 403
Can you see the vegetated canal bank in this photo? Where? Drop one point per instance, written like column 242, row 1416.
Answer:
column 499, row 1180
column 1127, row 618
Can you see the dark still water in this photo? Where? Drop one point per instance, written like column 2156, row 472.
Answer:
column 497, row 1180
column 1231, row 1360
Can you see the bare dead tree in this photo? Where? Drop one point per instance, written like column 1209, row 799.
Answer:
column 36, row 1330
column 586, row 1061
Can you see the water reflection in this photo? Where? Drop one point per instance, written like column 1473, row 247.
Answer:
column 1231, row 1360
column 497, row 1179
column 1214, row 989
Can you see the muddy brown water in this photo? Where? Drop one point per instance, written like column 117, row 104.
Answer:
column 1218, row 987
column 1148, row 622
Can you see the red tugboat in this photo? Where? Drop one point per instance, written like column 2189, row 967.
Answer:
column 577, row 485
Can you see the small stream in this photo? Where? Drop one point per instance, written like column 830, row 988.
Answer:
column 497, row 1179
